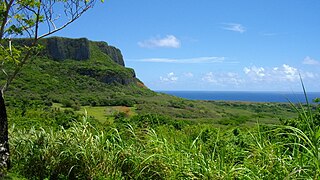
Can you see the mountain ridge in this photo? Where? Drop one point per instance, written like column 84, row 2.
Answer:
column 82, row 49
column 76, row 70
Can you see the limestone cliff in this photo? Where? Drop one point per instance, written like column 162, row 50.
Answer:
column 111, row 51
column 96, row 59
column 59, row 48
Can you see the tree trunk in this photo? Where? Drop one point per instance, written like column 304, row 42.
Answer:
column 4, row 143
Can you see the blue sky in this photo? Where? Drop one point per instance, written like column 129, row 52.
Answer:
column 226, row 45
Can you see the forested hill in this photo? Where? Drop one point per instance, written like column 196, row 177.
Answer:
column 78, row 73
column 77, row 70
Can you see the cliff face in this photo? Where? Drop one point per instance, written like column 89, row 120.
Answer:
column 96, row 59
column 75, row 70
column 60, row 49
column 111, row 51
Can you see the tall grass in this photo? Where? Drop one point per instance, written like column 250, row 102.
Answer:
column 305, row 136
column 86, row 153
column 151, row 147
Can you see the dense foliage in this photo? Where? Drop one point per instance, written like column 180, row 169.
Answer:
column 35, row 20
column 158, row 147
column 96, row 81
column 101, row 81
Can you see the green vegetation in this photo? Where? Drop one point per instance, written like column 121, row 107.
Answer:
column 100, row 82
column 24, row 19
column 158, row 147
column 69, row 120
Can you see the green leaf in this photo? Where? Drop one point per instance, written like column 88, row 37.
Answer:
column 318, row 133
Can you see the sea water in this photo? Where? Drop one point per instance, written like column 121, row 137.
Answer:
column 294, row 97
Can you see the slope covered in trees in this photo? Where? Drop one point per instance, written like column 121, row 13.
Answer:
column 76, row 70
column 93, row 74
column 87, row 116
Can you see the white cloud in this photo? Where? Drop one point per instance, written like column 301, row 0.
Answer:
column 223, row 79
column 255, row 73
column 283, row 73
column 210, row 59
column 309, row 61
column 252, row 77
column 209, row 77
column 289, row 73
column 170, row 41
column 234, row 27
column 309, row 75
column 188, row 74
column 233, row 78
column 170, row 77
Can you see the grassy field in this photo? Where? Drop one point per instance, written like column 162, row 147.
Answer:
column 100, row 113
column 154, row 146
column 223, row 113
column 164, row 137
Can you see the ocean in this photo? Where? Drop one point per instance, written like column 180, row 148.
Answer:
column 281, row 97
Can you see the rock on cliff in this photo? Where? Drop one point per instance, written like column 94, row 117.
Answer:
column 59, row 48
column 96, row 59
column 62, row 48
column 111, row 51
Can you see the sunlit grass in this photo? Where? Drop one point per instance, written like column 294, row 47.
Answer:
column 199, row 151
column 101, row 113
column 153, row 146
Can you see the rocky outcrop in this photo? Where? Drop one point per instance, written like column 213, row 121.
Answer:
column 109, row 76
column 58, row 48
column 111, row 51
column 78, row 49
column 62, row 48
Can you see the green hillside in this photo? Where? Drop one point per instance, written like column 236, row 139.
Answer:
column 97, row 80
column 84, row 115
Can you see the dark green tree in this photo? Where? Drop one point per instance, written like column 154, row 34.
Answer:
column 33, row 19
